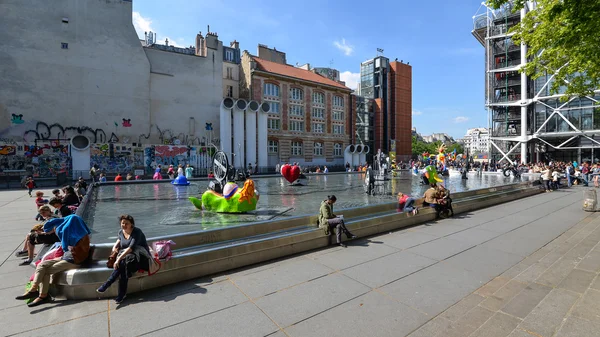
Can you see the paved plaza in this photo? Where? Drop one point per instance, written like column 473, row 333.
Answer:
column 524, row 268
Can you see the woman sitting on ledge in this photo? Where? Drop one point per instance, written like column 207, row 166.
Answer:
column 133, row 255
column 328, row 221
column 75, row 242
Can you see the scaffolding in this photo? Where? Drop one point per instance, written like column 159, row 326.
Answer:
column 522, row 114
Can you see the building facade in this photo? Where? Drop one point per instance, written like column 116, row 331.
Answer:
column 527, row 122
column 476, row 140
column 231, row 70
column 389, row 85
column 309, row 116
column 78, row 68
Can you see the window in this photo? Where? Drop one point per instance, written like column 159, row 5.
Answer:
column 338, row 129
column 296, row 110
column 318, row 127
column 318, row 112
column 338, row 115
column 296, row 94
column 318, row 98
column 271, row 90
column 297, row 126
column 274, row 107
column 296, row 148
column 337, row 150
column 229, row 91
column 229, row 55
column 318, row 149
column 64, row 45
column 273, row 146
column 338, row 101
column 230, row 73
column 273, row 124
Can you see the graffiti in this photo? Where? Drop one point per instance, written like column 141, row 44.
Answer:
column 171, row 155
column 31, row 151
column 17, row 119
column 44, row 131
column 116, row 158
column 167, row 137
column 8, row 141
column 209, row 127
column 8, row 150
column 126, row 123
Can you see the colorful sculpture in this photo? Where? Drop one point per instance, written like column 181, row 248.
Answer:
column 181, row 180
column 233, row 199
column 290, row 173
column 441, row 157
column 431, row 174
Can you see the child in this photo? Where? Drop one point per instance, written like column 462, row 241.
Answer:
column 56, row 193
column 80, row 191
column 171, row 172
column 102, row 178
column 61, row 210
column 119, row 177
column 39, row 202
column 211, row 175
column 188, row 171
column 30, row 185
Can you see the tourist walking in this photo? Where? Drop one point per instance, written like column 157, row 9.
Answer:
column 328, row 221
column 133, row 254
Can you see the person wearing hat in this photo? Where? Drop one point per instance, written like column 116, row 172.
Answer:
column 328, row 221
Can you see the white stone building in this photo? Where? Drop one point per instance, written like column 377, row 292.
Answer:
column 477, row 140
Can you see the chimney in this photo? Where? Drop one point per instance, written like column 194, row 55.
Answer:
column 166, row 42
column 200, row 44
column 235, row 44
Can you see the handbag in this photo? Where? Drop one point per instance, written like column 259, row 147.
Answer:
column 111, row 259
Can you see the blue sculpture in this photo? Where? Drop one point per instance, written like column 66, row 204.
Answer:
column 181, row 180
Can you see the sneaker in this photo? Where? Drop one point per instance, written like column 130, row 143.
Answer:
column 102, row 288
column 119, row 299
column 342, row 245
column 21, row 253
column 25, row 263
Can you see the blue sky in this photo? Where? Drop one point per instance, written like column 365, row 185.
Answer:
column 434, row 36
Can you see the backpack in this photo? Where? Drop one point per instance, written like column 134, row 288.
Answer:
column 163, row 249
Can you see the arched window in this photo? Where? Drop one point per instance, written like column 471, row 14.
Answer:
column 337, row 150
column 271, row 96
column 318, row 149
column 296, row 94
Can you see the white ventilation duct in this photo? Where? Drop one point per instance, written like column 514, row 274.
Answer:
column 251, row 111
column 362, row 157
column 80, row 156
column 238, row 134
column 263, row 153
column 225, row 125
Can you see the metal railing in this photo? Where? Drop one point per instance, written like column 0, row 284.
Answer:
column 507, row 63
column 506, row 98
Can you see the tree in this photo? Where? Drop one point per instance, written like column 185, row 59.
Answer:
column 459, row 148
column 563, row 38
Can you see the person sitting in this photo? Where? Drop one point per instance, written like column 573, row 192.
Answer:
column 445, row 199
column 133, row 255
column 129, row 176
column 119, row 177
column 407, row 204
column 56, row 193
column 431, row 197
column 70, row 198
column 80, row 191
column 211, row 175
column 328, row 221
column 102, row 178
column 39, row 202
column 62, row 210
column 37, row 236
column 74, row 236
column 82, row 183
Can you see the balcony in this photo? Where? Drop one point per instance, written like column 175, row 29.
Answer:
column 512, row 130
column 503, row 83
column 506, row 63
column 511, row 98
column 503, row 116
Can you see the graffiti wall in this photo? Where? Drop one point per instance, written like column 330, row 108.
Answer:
column 116, row 158
column 43, row 159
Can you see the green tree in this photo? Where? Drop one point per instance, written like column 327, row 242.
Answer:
column 459, row 148
column 563, row 38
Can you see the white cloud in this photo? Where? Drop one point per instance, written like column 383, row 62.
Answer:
column 143, row 25
column 343, row 46
column 350, row 78
column 416, row 113
column 460, row 119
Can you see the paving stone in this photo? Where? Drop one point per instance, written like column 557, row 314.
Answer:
column 503, row 296
column 589, row 306
column 551, row 258
column 282, row 276
column 576, row 327
column 545, row 319
column 474, row 236
column 514, row 243
column 243, row 319
column 379, row 272
column 596, row 284
column 292, row 305
column 520, row 333
column 90, row 326
column 476, row 317
column 500, row 325
column 434, row 289
column 536, row 256
column 515, row 270
column 591, row 262
column 457, row 311
column 407, row 239
column 491, row 287
column 439, row 229
column 440, row 249
column 487, row 263
column 578, row 281
column 532, row 273
column 556, row 273
column 372, row 314
column 522, row 304
column 433, row 328
column 353, row 255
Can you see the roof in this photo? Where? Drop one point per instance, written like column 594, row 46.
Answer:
column 290, row 71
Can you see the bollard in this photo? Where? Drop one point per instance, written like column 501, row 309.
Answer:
column 589, row 200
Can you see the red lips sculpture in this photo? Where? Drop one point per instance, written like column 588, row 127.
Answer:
column 290, row 173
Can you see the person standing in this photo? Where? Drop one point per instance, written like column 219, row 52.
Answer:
column 171, row 172
column 569, row 172
column 328, row 221
column 189, row 171
column 94, row 173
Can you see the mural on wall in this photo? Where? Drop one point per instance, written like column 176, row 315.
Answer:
column 44, row 131
column 168, row 137
column 8, row 150
column 17, row 119
column 126, row 123
column 116, row 158
column 43, row 160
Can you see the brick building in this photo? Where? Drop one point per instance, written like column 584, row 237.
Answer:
column 309, row 113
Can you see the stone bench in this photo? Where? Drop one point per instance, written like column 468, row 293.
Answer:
column 209, row 252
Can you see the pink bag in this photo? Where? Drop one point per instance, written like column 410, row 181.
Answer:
column 53, row 253
column 163, row 249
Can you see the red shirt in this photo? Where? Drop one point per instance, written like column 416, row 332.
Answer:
column 119, row 178
column 402, row 201
column 39, row 201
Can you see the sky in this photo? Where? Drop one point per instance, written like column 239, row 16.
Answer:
column 433, row 36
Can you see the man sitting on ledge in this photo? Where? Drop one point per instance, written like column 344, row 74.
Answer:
column 328, row 221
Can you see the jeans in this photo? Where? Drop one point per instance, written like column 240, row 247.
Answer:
column 409, row 205
column 47, row 268
column 338, row 224
column 586, row 179
column 569, row 182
